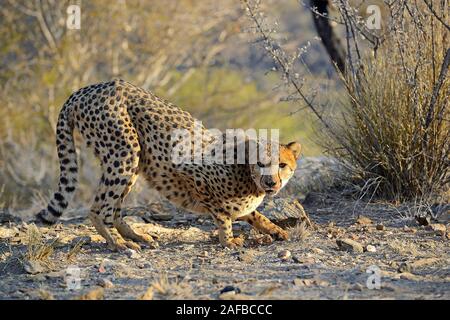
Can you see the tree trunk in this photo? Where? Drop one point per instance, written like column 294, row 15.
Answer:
column 325, row 31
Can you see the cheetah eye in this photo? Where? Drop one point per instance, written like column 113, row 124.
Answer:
column 282, row 165
column 261, row 165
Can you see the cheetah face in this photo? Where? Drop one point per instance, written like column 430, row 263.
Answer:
column 272, row 176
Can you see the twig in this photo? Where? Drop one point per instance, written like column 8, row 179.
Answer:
column 437, row 88
column 441, row 20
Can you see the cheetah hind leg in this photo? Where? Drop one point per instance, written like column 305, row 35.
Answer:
column 124, row 229
column 113, row 239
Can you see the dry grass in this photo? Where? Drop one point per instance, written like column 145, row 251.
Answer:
column 404, row 248
column 38, row 248
column 170, row 289
column 299, row 232
column 395, row 129
column 75, row 250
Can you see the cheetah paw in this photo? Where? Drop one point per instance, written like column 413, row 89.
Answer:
column 281, row 235
column 149, row 241
column 122, row 245
column 234, row 243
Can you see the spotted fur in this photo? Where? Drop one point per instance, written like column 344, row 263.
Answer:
column 130, row 131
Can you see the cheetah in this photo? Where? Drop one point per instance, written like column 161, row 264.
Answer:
column 131, row 131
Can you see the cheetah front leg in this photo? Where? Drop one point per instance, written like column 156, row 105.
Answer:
column 226, row 238
column 261, row 223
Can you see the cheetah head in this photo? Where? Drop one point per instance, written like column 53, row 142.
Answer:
column 271, row 175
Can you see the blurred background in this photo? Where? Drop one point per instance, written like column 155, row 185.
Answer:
column 200, row 55
column 209, row 58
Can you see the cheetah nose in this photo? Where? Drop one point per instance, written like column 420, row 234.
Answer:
column 271, row 184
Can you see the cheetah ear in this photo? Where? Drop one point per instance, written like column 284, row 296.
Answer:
column 296, row 148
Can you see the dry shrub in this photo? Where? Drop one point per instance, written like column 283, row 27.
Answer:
column 38, row 248
column 395, row 129
column 299, row 232
column 171, row 289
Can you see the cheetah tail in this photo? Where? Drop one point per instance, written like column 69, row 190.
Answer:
column 68, row 169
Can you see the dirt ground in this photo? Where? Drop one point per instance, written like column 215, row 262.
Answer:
column 352, row 251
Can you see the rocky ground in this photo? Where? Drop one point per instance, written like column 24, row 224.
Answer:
column 350, row 251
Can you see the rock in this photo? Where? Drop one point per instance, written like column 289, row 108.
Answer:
column 247, row 256
column 133, row 254
column 310, row 282
column 230, row 290
column 438, row 228
column 357, row 287
column 349, row 245
column 95, row 294
column 284, row 255
column 380, row 227
column 317, row 250
column 423, row 262
column 423, row 220
column 409, row 230
column 371, row 248
column 285, row 212
column 404, row 267
column 106, row 265
column 302, row 282
column 38, row 278
column 261, row 240
column 55, row 274
column 393, row 264
column 82, row 240
column 303, row 260
column 364, row 221
column 6, row 233
column 408, row 276
column 33, row 267
column 6, row 217
column 105, row 283
column 162, row 216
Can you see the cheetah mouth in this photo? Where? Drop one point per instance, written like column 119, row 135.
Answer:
column 271, row 192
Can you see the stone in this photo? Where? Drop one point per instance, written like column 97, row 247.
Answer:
column 349, row 245
column 317, row 250
column 6, row 233
column 423, row 220
column 408, row 276
column 438, row 228
column 371, row 248
column 380, row 227
column 307, row 260
column 230, row 289
column 82, row 240
column 246, row 256
column 404, row 267
column 33, row 267
column 105, row 283
column 133, row 254
column 357, row 287
column 310, row 282
column 423, row 262
column 284, row 255
column 162, row 216
column 364, row 221
column 285, row 212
